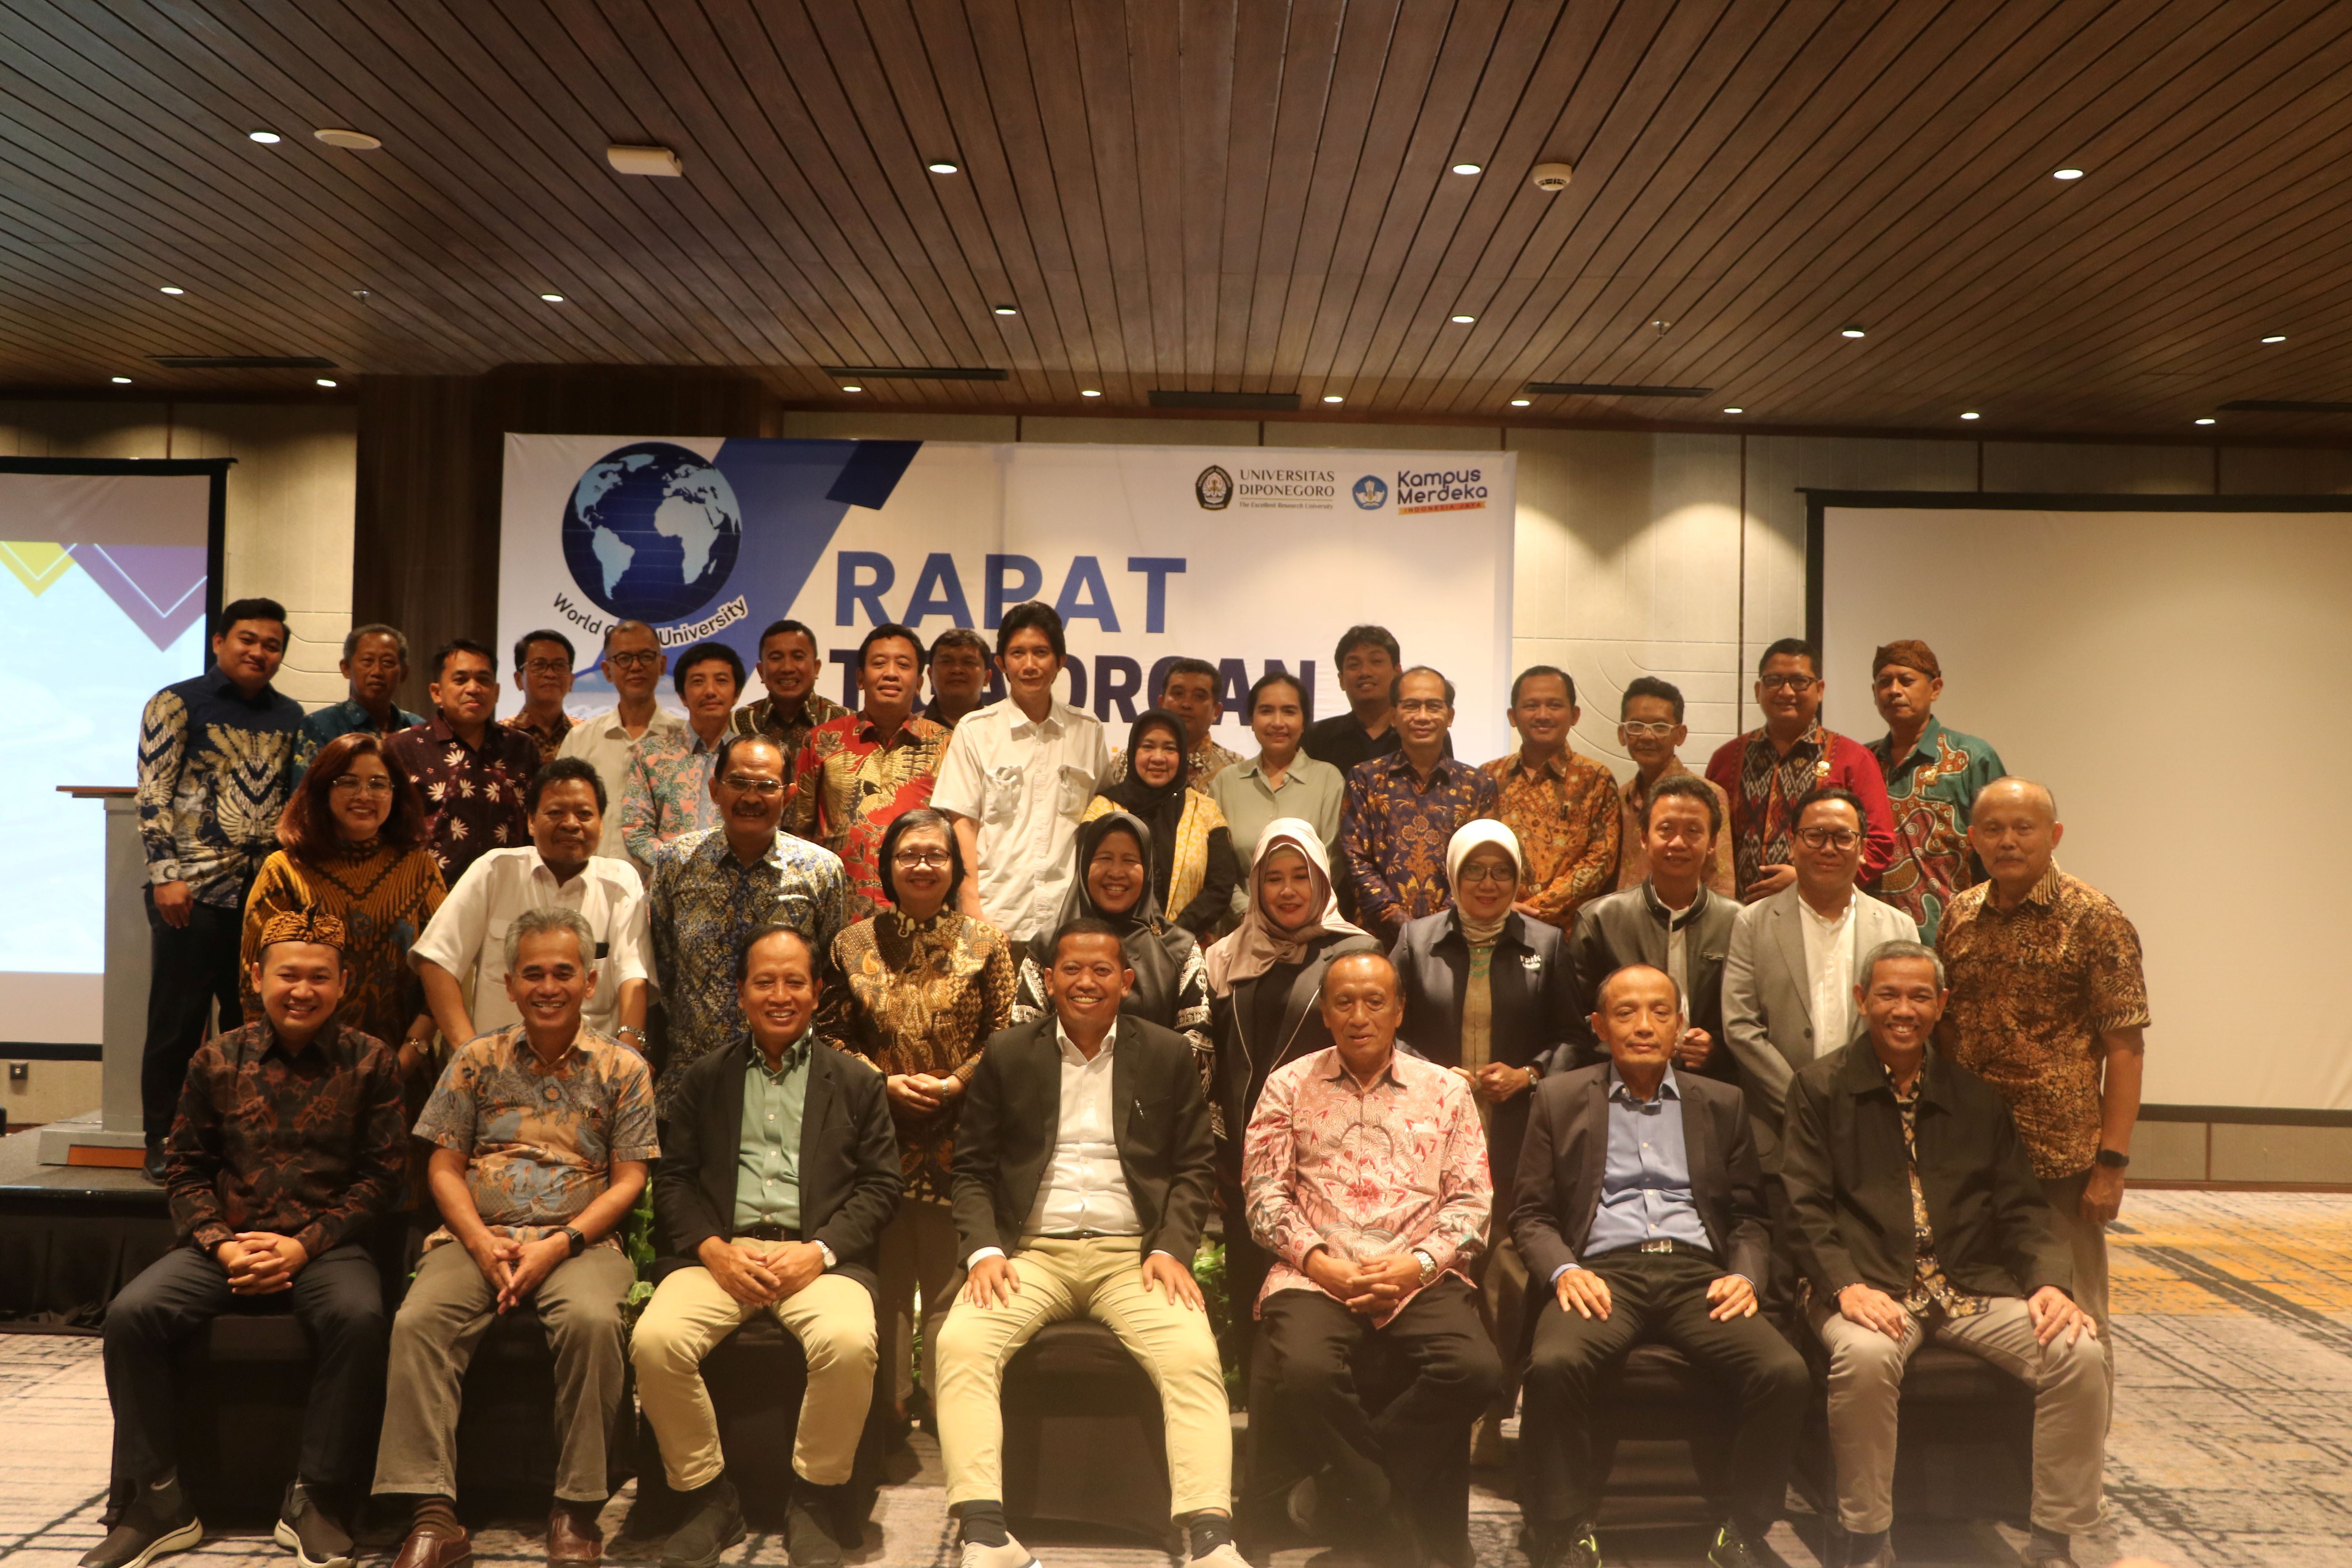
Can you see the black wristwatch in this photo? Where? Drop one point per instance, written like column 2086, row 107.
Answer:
column 2114, row 1159
column 579, row 1241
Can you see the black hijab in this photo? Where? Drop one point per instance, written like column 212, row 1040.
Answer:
column 1156, row 948
column 1160, row 807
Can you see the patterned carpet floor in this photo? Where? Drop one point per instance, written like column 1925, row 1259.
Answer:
column 2232, row 1446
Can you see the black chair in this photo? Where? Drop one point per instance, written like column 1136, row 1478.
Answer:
column 1085, row 1442
column 1964, row 1442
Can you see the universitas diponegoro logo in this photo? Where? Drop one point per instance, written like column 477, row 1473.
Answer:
column 652, row 532
column 1213, row 490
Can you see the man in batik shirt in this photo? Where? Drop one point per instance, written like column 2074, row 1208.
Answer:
column 1767, row 772
column 859, row 773
column 668, row 792
column 1932, row 775
column 472, row 770
column 789, row 666
column 1402, row 810
column 1563, row 808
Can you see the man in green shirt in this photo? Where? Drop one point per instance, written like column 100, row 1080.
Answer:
column 1932, row 776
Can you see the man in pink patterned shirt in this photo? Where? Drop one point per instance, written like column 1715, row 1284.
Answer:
column 1365, row 1172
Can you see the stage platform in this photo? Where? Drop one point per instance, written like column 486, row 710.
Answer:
column 71, row 1235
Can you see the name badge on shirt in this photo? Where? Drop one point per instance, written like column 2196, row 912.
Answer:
column 1531, row 961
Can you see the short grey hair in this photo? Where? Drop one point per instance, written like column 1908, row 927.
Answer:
column 1901, row 947
column 1600, row 991
column 374, row 629
column 539, row 922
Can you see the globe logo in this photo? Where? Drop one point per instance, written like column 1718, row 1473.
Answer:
column 1370, row 492
column 651, row 531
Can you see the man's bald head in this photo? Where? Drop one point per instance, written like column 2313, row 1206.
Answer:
column 1363, row 1006
column 2011, row 791
column 2014, row 829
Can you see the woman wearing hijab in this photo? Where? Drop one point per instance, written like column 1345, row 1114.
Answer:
column 1281, row 781
column 1192, row 870
column 1487, row 992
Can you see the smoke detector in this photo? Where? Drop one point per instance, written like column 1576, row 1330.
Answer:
column 1552, row 178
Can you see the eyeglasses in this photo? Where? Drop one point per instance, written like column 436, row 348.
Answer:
column 921, row 859
column 1786, row 681
column 1647, row 729
column 1486, row 874
column 754, row 786
column 548, row 666
column 1424, row 705
column 1829, row 838
column 644, row 661
column 352, row 783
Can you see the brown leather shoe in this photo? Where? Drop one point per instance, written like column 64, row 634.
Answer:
column 570, row 1541
column 428, row 1548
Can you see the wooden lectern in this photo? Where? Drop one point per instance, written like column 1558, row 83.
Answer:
column 116, row 1134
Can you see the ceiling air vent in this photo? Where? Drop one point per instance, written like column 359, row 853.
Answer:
column 1613, row 389
column 912, row 372
column 2283, row 405
column 244, row 361
column 1256, row 402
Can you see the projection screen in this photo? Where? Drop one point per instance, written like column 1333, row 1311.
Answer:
column 2173, row 667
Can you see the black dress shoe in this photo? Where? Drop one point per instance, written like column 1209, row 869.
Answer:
column 714, row 1522
column 153, row 1166
column 158, row 1521
column 813, row 1524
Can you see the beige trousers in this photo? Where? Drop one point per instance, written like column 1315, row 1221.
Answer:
column 2088, row 1244
column 2070, row 1409
column 1102, row 1279
column 918, row 1254
column 833, row 1318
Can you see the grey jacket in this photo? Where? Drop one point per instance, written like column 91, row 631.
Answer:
column 1630, row 927
column 1768, row 1000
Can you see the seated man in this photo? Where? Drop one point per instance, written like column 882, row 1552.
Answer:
column 1365, row 1172
column 1917, row 1225
column 1641, row 1201
column 288, row 1147
column 541, row 1133
column 1083, row 1173
column 781, row 1175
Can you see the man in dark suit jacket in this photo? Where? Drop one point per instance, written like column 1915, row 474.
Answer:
column 779, row 1172
column 1640, row 1202
column 1084, row 1166
column 1918, row 1217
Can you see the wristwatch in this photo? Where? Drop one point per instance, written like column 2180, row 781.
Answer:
column 1535, row 1073
column 1428, row 1264
column 2114, row 1159
column 629, row 1034
column 579, row 1240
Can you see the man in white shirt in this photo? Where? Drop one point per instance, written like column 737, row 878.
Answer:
column 633, row 662
column 1081, row 1187
column 1017, row 779
column 461, row 956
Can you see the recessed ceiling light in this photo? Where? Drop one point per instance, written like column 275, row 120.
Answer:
column 168, row 288
column 1006, row 310
column 942, row 166
column 120, row 380
column 1089, row 392
column 658, row 162
column 267, row 138
column 1851, row 332
column 349, row 141
column 2065, row 174
column 2275, row 338
column 1971, row 414
column 1520, row 402
column 1467, row 168
column 1734, row 411
column 552, row 299
column 2205, row 421
column 326, row 381
column 1333, row 397
column 853, row 389
column 1462, row 321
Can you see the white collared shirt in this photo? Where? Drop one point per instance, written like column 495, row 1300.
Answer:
column 1026, row 783
column 1084, row 1188
column 607, row 745
column 1828, row 964
column 468, row 935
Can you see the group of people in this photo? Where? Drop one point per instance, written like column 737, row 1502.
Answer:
column 944, row 1007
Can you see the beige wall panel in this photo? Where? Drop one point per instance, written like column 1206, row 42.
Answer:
column 879, row 425
column 2168, row 1152
column 2244, row 1153
column 2078, row 469
column 1144, row 432
column 2285, row 471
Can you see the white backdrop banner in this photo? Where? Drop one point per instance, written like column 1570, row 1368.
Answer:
column 1249, row 558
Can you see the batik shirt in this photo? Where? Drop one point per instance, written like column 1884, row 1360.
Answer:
column 668, row 791
column 309, row 1143
column 1207, row 760
column 215, row 768
column 1565, row 816
column 473, row 795
column 539, row 1141
column 1929, row 793
column 1368, row 1174
column 1633, row 857
column 761, row 718
column 1393, row 831
column 349, row 718
column 1764, row 787
column 548, row 738
column 849, row 784
column 2032, row 990
column 1931, row 1289
column 699, row 905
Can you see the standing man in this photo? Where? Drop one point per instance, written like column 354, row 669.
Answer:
column 218, row 756
column 781, row 1173
column 288, row 1149
column 1766, row 772
column 472, row 770
column 374, row 663
column 789, row 664
column 1641, row 1204
column 2049, row 1007
column 1368, row 662
column 958, row 676
column 1917, row 1217
column 712, row 888
column 543, row 1135
column 1932, row 776
column 1016, row 780
column 1650, row 727
column 1365, row 1174
column 1402, row 809
column 461, row 956
column 634, row 663
column 669, row 790
column 1190, row 691
column 859, row 773
column 542, row 673
column 1563, row 807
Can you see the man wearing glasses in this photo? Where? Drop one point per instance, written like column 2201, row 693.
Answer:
column 1402, row 810
column 542, row 673
column 1766, row 772
column 1650, row 727
column 712, row 888
column 633, row 662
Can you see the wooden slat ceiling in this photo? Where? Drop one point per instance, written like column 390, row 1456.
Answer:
column 1237, row 196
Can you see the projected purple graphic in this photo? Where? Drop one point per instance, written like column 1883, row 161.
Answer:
column 160, row 586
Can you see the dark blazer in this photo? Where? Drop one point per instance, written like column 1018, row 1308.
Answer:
column 1567, row 1149
column 1530, row 990
column 1850, row 1185
column 1011, row 1113
column 1244, row 1063
column 1629, row 926
column 850, row 1179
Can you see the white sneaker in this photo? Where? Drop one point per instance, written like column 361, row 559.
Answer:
column 1225, row 1556
column 1012, row 1554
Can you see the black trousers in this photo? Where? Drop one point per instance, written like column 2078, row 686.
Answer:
column 337, row 1298
column 1408, row 1465
column 1655, row 1295
column 193, row 965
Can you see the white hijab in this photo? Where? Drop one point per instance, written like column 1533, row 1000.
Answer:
column 1257, row 945
column 1471, row 835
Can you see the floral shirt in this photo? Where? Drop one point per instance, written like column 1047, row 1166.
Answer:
column 2032, row 990
column 1931, row 1289
column 1367, row 1173
column 1929, row 792
column 1208, row 760
column 215, row 768
column 668, row 795
column 473, row 795
column 547, row 737
column 539, row 1141
column 849, row 784
column 699, row 905
column 1565, row 816
column 1633, row 857
column 923, row 998
column 309, row 1143
column 1764, row 787
column 1393, row 831
column 761, row 718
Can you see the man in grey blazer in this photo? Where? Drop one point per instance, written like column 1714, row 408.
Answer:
column 1788, row 983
